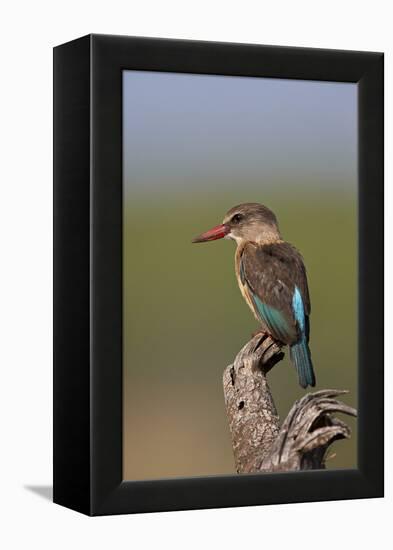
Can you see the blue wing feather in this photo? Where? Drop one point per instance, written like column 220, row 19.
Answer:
column 300, row 352
column 298, row 309
column 273, row 319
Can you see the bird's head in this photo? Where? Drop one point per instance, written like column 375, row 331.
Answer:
column 248, row 222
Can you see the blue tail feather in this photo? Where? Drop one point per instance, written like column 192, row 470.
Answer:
column 301, row 357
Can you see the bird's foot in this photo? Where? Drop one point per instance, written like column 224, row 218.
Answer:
column 260, row 331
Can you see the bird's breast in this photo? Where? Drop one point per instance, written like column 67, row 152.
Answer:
column 243, row 286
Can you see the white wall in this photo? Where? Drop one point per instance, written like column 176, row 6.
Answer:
column 28, row 32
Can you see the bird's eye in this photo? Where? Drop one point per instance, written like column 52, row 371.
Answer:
column 237, row 218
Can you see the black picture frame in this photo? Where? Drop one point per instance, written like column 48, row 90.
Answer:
column 88, row 274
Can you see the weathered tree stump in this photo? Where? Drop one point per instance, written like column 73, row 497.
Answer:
column 258, row 441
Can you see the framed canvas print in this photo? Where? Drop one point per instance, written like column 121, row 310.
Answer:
column 218, row 275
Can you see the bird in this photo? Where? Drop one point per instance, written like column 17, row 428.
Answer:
column 272, row 279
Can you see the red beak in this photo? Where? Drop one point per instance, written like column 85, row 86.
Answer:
column 217, row 232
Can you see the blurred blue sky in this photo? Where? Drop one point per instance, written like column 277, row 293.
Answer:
column 182, row 129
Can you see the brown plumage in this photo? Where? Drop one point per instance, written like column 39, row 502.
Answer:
column 272, row 271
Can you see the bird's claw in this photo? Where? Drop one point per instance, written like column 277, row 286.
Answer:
column 261, row 332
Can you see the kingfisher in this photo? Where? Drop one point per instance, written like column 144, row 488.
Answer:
column 272, row 279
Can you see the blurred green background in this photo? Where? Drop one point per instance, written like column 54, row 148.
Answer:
column 194, row 146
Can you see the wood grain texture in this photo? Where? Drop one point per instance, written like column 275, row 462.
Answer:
column 259, row 442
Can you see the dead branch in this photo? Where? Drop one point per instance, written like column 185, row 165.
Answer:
column 259, row 444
